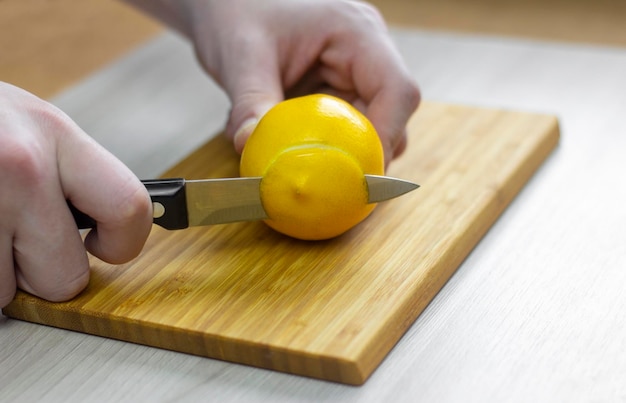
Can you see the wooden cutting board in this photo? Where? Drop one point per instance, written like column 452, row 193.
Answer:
column 330, row 309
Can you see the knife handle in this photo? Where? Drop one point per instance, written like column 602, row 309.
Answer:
column 169, row 205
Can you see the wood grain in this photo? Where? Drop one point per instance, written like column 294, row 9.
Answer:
column 332, row 309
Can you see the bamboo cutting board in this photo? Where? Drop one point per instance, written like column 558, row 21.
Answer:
column 330, row 309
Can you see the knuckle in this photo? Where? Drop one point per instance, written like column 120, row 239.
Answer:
column 53, row 120
column 356, row 17
column 24, row 159
column 412, row 94
column 408, row 93
column 360, row 12
column 372, row 13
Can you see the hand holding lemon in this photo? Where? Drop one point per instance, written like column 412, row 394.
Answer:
column 312, row 153
column 262, row 52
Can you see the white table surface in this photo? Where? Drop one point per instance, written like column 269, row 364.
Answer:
column 536, row 313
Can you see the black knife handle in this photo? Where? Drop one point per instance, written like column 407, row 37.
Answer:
column 167, row 193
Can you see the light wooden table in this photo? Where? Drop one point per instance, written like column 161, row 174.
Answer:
column 536, row 312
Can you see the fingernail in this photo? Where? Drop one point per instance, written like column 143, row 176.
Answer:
column 242, row 134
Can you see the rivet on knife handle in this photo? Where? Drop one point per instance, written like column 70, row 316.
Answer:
column 170, row 194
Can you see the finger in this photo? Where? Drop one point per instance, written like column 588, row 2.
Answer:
column 7, row 271
column 50, row 260
column 252, row 80
column 391, row 99
column 370, row 66
column 102, row 187
column 401, row 145
column 389, row 112
column 46, row 251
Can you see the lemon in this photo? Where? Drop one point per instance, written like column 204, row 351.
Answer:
column 312, row 153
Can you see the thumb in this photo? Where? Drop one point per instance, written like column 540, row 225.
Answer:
column 254, row 86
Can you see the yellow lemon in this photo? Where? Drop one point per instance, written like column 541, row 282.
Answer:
column 312, row 153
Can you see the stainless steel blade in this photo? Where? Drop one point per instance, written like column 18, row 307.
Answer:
column 381, row 188
column 221, row 201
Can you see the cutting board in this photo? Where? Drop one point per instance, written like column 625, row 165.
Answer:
column 329, row 309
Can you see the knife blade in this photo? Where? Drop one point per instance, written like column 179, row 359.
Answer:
column 382, row 188
column 179, row 203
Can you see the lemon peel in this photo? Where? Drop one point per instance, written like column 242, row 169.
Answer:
column 312, row 153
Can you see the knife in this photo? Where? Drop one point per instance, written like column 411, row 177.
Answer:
column 178, row 203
